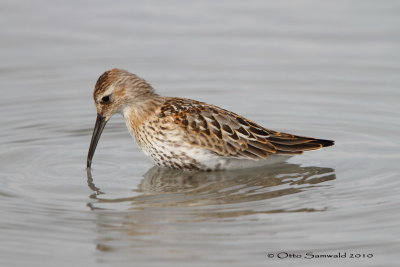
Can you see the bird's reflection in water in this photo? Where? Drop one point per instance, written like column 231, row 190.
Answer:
column 161, row 187
column 170, row 205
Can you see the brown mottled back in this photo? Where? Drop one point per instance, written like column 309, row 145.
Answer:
column 231, row 135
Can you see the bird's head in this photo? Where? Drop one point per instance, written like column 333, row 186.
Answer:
column 114, row 91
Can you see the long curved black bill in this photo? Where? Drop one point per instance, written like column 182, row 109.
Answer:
column 98, row 129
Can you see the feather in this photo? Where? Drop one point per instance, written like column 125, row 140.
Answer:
column 230, row 135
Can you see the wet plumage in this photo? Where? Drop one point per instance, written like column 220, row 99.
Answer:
column 187, row 134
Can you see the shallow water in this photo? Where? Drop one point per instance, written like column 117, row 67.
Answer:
column 327, row 70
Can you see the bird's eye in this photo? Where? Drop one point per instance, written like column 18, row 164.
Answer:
column 105, row 99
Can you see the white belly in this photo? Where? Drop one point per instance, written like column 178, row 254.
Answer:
column 192, row 158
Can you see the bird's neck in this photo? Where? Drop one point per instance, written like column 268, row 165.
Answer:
column 137, row 113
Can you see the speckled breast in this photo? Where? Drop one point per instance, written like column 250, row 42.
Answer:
column 166, row 145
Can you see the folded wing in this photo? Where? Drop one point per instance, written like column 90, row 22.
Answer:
column 229, row 134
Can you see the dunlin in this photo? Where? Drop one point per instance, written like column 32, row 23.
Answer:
column 187, row 134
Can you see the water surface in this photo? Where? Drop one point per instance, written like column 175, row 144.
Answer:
column 327, row 70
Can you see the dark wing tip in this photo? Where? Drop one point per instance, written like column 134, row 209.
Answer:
column 325, row 143
column 297, row 144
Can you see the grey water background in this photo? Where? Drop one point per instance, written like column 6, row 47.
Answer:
column 327, row 69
